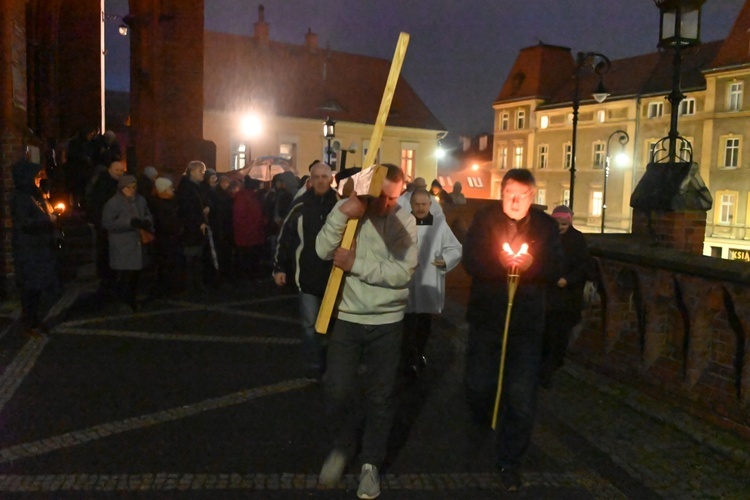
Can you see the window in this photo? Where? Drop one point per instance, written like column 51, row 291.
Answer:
column 685, row 152
column 518, row 156
column 330, row 156
column 365, row 149
column 727, row 208
column 542, row 156
column 687, row 107
column 598, row 155
column 239, row 156
column 544, row 121
column 475, row 182
column 541, row 196
column 502, row 156
column 505, row 121
column 596, row 203
column 734, row 96
column 288, row 151
column 566, row 197
column 655, row 109
column 567, row 155
column 407, row 162
column 731, row 152
column 650, row 149
column 601, row 116
column 520, row 119
column 482, row 142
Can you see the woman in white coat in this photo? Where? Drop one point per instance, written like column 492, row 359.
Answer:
column 439, row 252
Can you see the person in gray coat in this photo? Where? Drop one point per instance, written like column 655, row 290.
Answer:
column 124, row 217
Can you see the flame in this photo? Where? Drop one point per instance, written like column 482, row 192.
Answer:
column 507, row 248
column 60, row 207
column 524, row 249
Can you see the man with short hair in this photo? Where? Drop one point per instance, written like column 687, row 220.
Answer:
column 419, row 183
column 515, row 223
column 369, row 324
column 194, row 209
column 296, row 256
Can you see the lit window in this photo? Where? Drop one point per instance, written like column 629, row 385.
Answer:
column 505, row 121
column 503, row 156
column 542, row 157
column 541, row 196
column 239, row 156
column 567, row 155
column 731, row 152
column 566, row 197
column 601, row 115
column 407, row 162
column 596, row 203
column 482, row 143
column 687, row 107
column 475, row 182
column 544, row 121
column 685, row 152
column 655, row 109
column 518, row 156
column 727, row 207
column 598, row 155
column 734, row 96
column 651, row 151
column 520, row 119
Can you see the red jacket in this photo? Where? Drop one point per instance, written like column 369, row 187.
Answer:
column 248, row 219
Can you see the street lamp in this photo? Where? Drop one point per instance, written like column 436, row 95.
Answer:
column 600, row 64
column 623, row 138
column 329, row 132
column 679, row 26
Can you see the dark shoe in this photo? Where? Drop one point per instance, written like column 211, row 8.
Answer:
column 511, row 479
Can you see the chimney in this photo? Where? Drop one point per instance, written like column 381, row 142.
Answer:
column 261, row 28
column 311, row 41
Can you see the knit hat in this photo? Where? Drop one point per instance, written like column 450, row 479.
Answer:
column 150, row 172
column 124, row 181
column 563, row 212
column 162, row 184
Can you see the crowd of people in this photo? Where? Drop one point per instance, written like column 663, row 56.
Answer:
column 207, row 229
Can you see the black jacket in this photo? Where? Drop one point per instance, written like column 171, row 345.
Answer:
column 576, row 268
column 192, row 201
column 488, row 299
column 295, row 252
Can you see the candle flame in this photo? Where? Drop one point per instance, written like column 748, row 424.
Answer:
column 60, row 207
column 507, row 248
column 524, row 249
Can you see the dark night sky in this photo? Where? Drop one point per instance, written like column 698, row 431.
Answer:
column 460, row 51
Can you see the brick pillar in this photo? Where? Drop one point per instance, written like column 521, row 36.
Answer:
column 166, row 83
column 680, row 230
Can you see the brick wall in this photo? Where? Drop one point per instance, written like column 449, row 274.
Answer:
column 683, row 231
column 166, row 83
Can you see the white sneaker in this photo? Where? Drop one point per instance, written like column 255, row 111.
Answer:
column 369, row 482
column 333, row 468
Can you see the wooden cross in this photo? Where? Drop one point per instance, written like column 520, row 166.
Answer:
column 334, row 279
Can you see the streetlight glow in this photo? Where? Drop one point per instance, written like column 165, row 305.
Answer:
column 250, row 125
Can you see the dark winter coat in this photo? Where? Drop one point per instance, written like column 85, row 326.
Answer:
column 169, row 226
column 576, row 268
column 295, row 250
column 248, row 219
column 488, row 299
column 126, row 253
column 34, row 240
column 192, row 201
column 103, row 189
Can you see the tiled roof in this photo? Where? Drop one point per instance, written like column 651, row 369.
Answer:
column 536, row 72
column 296, row 81
column 736, row 49
column 646, row 74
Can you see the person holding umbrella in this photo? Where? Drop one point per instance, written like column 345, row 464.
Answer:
column 504, row 237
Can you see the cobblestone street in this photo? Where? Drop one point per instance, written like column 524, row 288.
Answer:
column 206, row 397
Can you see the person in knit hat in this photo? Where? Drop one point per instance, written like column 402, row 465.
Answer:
column 146, row 184
column 565, row 296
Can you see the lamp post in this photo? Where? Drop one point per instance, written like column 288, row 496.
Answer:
column 679, row 26
column 600, row 64
column 329, row 132
column 123, row 30
column 623, row 138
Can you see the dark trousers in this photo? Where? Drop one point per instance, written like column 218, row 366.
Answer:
column 248, row 261
column 376, row 349
column 557, row 328
column 520, row 381
column 127, row 286
column 104, row 272
column 417, row 328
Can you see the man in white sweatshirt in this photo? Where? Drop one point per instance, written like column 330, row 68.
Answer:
column 365, row 345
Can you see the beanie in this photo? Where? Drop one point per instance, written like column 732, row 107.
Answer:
column 150, row 172
column 162, row 184
column 124, row 181
column 563, row 212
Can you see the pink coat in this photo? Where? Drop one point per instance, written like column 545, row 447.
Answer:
column 248, row 219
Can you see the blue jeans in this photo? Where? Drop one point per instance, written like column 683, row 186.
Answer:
column 376, row 348
column 515, row 420
column 313, row 347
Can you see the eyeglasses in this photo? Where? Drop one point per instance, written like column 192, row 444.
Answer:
column 513, row 198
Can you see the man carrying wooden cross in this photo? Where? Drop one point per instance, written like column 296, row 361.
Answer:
column 368, row 329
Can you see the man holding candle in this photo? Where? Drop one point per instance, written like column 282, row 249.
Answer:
column 515, row 223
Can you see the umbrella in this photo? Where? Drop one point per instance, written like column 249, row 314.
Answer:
column 264, row 168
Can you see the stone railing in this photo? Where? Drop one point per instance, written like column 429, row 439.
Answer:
column 675, row 325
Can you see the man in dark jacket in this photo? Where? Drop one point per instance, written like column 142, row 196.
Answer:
column 296, row 256
column 565, row 296
column 513, row 222
column 194, row 210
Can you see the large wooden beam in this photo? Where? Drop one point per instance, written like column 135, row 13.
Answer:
column 334, row 279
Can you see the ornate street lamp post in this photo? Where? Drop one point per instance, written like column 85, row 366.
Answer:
column 329, row 132
column 600, row 64
column 623, row 138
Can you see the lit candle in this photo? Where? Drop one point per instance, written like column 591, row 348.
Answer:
column 60, row 208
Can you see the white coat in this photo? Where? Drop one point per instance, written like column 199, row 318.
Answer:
column 427, row 287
